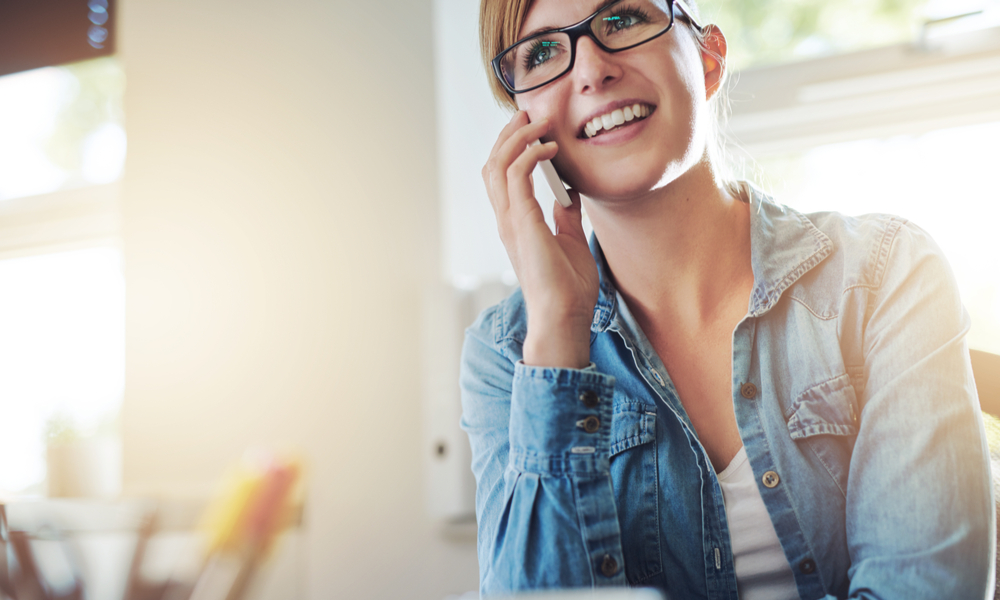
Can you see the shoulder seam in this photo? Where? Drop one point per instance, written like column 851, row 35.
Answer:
column 881, row 259
column 883, row 249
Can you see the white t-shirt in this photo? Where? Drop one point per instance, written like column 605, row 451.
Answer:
column 762, row 572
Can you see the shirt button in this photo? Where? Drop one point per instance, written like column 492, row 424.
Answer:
column 770, row 479
column 589, row 398
column 591, row 424
column 748, row 391
column 808, row 566
column 609, row 566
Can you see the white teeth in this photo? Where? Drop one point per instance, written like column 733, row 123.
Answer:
column 615, row 118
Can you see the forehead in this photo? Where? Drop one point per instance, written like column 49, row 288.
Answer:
column 553, row 14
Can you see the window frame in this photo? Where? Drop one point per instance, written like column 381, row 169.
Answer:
column 907, row 88
column 69, row 219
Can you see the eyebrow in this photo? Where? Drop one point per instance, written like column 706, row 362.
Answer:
column 544, row 28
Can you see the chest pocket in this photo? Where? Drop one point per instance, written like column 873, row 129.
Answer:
column 635, row 482
column 824, row 419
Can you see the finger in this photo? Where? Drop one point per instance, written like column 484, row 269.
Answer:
column 569, row 220
column 520, row 139
column 521, row 192
column 519, row 119
column 495, row 172
column 513, row 149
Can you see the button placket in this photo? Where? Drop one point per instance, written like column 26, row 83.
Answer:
column 589, row 398
column 807, row 566
column 609, row 566
column 590, row 424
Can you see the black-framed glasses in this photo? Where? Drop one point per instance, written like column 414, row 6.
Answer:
column 546, row 56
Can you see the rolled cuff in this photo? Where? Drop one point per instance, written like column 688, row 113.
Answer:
column 560, row 420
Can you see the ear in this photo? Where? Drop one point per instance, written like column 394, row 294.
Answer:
column 714, row 49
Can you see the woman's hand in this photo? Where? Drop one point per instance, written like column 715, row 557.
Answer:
column 557, row 273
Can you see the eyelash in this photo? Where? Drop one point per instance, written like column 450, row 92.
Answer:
column 530, row 55
column 629, row 11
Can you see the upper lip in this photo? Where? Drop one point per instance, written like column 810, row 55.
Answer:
column 610, row 106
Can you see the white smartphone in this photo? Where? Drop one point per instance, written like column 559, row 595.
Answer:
column 555, row 182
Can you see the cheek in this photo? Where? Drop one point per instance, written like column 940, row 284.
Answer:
column 691, row 74
column 535, row 105
column 543, row 104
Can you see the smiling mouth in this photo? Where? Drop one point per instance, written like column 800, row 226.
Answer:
column 616, row 119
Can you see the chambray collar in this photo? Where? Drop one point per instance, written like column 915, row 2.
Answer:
column 784, row 245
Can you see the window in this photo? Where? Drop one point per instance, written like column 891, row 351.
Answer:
column 62, row 354
column 764, row 32
column 63, row 128
column 907, row 128
column 62, row 308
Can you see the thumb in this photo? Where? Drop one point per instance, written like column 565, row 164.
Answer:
column 569, row 220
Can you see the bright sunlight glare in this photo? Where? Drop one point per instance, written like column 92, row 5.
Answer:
column 943, row 181
column 29, row 106
column 62, row 352
column 61, row 128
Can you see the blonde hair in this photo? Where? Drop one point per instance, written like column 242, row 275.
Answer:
column 500, row 24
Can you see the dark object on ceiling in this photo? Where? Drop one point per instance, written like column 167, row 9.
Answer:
column 43, row 33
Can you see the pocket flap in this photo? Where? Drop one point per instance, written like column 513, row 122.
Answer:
column 632, row 424
column 830, row 408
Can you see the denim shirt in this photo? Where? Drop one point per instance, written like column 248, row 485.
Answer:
column 855, row 402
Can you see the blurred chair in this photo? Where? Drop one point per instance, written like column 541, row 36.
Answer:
column 27, row 574
column 986, row 368
column 76, row 549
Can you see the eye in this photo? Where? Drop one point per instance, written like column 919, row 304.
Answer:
column 540, row 52
column 624, row 18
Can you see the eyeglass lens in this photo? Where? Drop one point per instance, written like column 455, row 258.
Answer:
column 541, row 59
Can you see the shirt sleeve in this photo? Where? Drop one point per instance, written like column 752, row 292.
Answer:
column 540, row 441
column 920, row 517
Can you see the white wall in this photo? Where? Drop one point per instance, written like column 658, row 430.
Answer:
column 280, row 220
column 468, row 124
column 469, row 121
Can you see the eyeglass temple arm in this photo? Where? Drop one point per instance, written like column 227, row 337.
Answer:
column 687, row 13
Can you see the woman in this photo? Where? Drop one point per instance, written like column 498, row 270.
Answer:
column 719, row 397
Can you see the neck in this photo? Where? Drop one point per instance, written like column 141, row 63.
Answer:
column 681, row 252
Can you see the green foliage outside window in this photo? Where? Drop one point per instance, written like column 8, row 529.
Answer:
column 771, row 31
column 95, row 100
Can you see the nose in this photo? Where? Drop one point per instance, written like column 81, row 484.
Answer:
column 593, row 68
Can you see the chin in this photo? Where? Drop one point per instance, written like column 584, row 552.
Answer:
column 614, row 176
column 621, row 183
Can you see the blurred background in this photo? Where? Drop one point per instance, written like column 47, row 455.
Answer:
column 241, row 225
